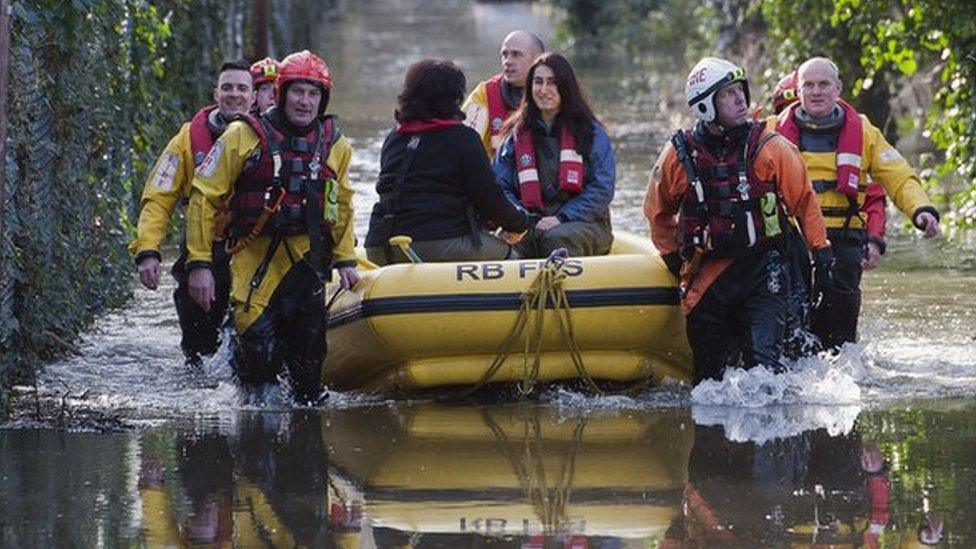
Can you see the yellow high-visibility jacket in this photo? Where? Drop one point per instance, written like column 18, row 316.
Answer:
column 238, row 143
column 255, row 522
column 168, row 183
column 476, row 117
column 879, row 160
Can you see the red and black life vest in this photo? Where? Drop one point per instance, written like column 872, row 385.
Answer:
column 727, row 210
column 570, row 167
column 498, row 110
column 292, row 172
column 202, row 137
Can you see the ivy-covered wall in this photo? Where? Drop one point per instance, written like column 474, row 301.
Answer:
column 96, row 88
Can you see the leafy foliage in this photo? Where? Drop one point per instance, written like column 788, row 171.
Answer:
column 931, row 41
column 885, row 50
column 645, row 31
column 97, row 87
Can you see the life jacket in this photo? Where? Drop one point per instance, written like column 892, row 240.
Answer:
column 202, row 136
column 570, row 167
column 292, row 176
column 727, row 210
column 498, row 110
column 850, row 143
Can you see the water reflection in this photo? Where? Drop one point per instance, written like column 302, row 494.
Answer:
column 426, row 475
column 521, row 474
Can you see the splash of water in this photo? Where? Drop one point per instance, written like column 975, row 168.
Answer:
column 760, row 425
column 811, row 380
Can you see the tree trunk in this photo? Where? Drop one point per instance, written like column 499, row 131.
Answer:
column 260, row 9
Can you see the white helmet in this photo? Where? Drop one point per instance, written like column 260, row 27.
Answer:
column 710, row 74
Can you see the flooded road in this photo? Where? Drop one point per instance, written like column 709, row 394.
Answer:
column 757, row 461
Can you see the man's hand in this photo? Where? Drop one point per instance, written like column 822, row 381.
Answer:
column 873, row 256
column 928, row 224
column 348, row 277
column 201, row 287
column 547, row 223
column 149, row 272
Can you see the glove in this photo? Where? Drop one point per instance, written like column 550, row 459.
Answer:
column 823, row 271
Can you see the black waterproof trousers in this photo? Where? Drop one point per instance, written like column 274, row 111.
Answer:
column 201, row 328
column 288, row 337
column 835, row 321
column 741, row 316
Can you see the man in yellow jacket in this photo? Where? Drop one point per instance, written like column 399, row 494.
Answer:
column 493, row 100
column 291, row 223
column 841, row 149
column 169, row 184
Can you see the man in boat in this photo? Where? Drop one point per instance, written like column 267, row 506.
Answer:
column 493, row 100
column 717, row 203
column 264, row 73
column 842, row 150
column 168, row 184
column 286, row 174
column 799, row 341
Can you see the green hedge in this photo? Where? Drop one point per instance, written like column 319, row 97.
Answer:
column 96, row 88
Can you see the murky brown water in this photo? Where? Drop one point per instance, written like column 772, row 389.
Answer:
column 569, row 470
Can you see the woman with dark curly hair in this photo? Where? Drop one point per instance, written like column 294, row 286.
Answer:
column 435, row 177
column 558, row 164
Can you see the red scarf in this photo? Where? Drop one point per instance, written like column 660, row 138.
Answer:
column 570, row 167
column 420, row 126
column 849, row 145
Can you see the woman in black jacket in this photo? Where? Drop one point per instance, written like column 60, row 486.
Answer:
column 435, row 180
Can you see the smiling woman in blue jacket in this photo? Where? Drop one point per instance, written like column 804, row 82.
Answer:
column 557, row 163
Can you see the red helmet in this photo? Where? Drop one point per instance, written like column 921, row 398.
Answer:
column 304, row 65
column 265, row 70
column 785, row 93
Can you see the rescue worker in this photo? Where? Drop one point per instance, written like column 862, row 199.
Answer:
column 799, row 341
column 557, row 163
column 841, row 150
column 810, row 489
column 168, row 184
column 875, row 200
column 263, row 73
column 717, row 203
column 493, row 100
column 291, row 216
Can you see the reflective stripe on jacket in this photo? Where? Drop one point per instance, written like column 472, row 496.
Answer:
column 879, row 161
column 169, row 182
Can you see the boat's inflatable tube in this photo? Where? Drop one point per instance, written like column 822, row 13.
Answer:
column 408, row 327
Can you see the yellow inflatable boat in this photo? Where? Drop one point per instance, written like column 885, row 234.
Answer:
column 417, row 326
column 452, row 475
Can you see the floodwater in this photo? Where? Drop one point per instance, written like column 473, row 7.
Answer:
column 873, row 447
